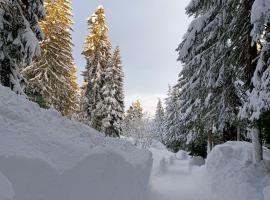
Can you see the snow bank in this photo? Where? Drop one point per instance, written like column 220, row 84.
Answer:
column 182, row 155
column 45, row 156
column 6, row 189
column 162, row 158
column 233, row 176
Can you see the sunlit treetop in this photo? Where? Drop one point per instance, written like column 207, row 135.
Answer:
column 98, row 32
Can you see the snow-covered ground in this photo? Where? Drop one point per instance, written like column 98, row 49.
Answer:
column 172, row 180
column 45, row 156
column 229, row 174
column 233, row 176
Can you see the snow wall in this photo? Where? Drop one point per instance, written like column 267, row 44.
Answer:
column 44, row 156
column 233, row 176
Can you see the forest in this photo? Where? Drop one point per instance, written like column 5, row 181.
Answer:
column 212, row 130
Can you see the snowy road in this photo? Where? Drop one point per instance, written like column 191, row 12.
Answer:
column 176, row 183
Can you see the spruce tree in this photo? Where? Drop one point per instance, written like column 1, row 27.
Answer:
column 19, row 37
column 111, row 108
column 136, row 125
column 159, row 121
column 173, row 128
column 53, row 74
column 217, row 56
column 97, row 54
column 256, row 106
column 226, row 56
column 135, row 111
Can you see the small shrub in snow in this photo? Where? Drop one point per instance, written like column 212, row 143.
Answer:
column 195, row 161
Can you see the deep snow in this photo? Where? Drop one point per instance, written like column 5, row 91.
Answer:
column 172, row 180
column 232, row 174
column 229, row 174
column 45, row 156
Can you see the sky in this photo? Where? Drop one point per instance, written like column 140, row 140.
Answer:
column 148, row 32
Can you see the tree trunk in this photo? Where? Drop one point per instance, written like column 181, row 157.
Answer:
column 257, row 145
column 209, row 142
column 238, row 133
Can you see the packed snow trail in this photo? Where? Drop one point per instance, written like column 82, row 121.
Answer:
column 175, row 182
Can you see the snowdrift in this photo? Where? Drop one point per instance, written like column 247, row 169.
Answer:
column 233, row 176
column 45, row 156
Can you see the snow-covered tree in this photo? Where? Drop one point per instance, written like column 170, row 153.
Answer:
column 256, row 107
column 226, row 59
column 173, row 129
column 134, row 111
column 217, row 57
column 138, row 125
column 97, row 54
column 19, row 39
column 159, row 121
column 111, row 108
column 53, row 74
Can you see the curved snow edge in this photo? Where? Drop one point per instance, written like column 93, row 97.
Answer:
column 233, row 176
column 46, row 156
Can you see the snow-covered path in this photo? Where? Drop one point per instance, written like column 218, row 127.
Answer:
column 176, row 183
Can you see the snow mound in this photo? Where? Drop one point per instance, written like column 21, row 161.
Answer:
column 6, row 189
column 162, row 157
column 46, row 156
column 233, row 176
column 182, row 155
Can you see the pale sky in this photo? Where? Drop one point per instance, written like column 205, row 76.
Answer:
column 148, row 32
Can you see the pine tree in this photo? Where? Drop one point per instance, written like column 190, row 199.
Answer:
column 137, row 125
column 111, row 108
column 133, row 115
column 119, row 80
column 97, row 54
column 225, row 53
column 135, row 111
column 173, row 128
column 159, row 121
column 256, row 106
column 53, row 74
column 217, row 56
column 19, row 37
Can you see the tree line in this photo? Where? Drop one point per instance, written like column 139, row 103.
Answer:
column 223, row 90
column 36, row 60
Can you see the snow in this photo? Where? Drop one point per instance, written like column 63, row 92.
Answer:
column 46, row 156
column 266, row 192
column 232, row 174
column 6, row 189
column 229, row 174
column 172, row 180
column 260, row 15
column 181, row 155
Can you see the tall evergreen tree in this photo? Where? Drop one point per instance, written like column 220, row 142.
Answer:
column 135, row 111
column 19, row 38
column 111, row 108
column 256, row 107
column 159, row 121
column 136, row 125
column 173, row 132
column 217, row 56
column 53, row 74
column 97, row 54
